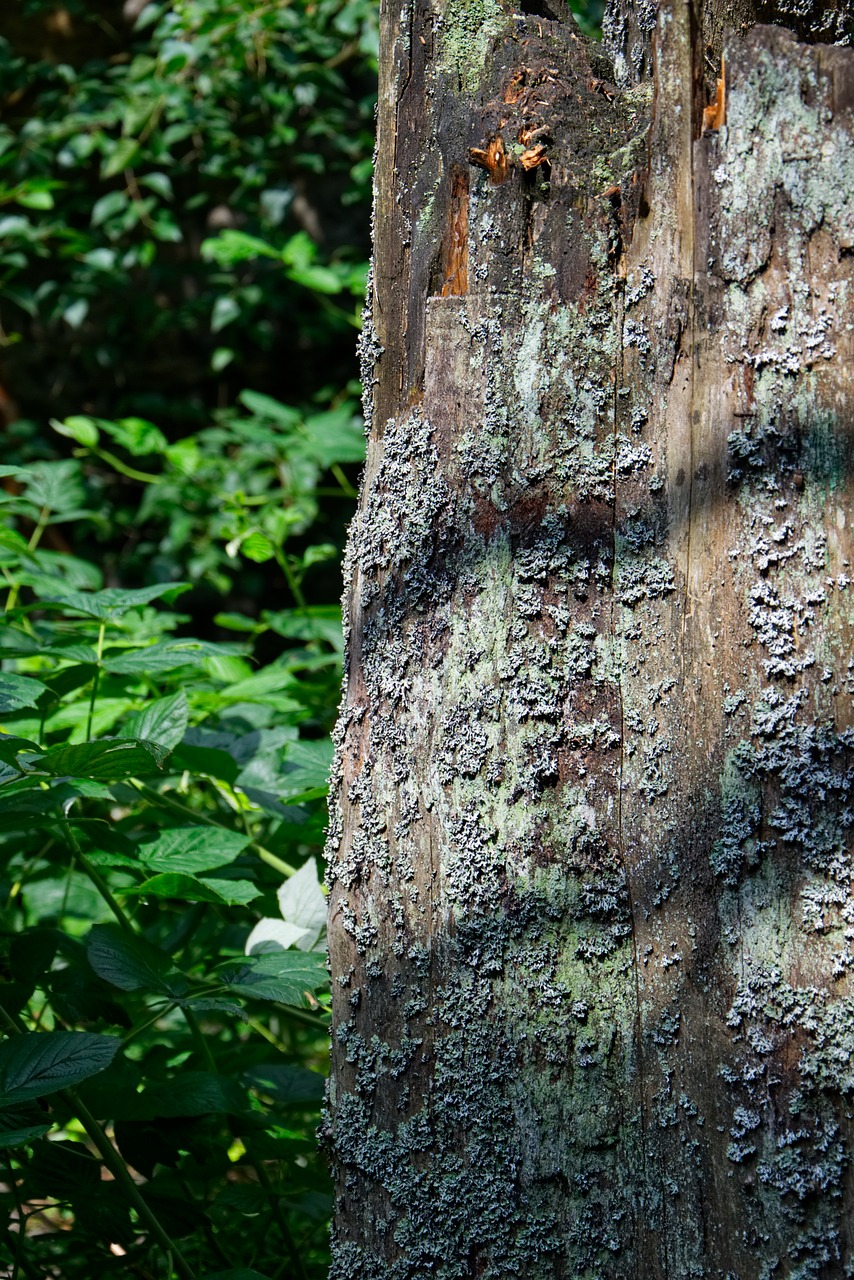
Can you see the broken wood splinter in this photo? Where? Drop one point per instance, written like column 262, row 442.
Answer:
column 714, row 115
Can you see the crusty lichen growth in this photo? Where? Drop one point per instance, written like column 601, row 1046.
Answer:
column 589, row 851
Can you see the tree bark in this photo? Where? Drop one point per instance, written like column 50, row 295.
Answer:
column 591, row 912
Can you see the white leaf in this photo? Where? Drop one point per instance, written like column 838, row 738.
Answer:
column 282, row 932
column 302, row 903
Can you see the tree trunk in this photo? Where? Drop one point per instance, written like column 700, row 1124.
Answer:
column 591, row 912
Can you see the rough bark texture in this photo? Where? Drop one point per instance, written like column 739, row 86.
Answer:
column 591, row 913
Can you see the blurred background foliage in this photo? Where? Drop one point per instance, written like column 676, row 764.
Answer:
column 184, row 230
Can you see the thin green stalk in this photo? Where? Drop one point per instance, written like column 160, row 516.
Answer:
column 144, row 477
column 291, row 579
column 97, row 879
column 102, row 631
column 22, row 1221
column 345, row 484
column 35, row 539
column 119, row 1170
column 149, row 1022
column 199, row 1040
column 115, row 1164
column 258, row 1165
column 281, row 1220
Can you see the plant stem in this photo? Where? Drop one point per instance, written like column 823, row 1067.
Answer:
column 95, row 679
column 35, row 539
column 22, row 1221
column 119, row 1170
column 115, row 1164
column 258, row 1165
column 97, row 879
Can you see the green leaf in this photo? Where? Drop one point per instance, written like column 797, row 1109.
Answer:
column 19, row 691
column 222, row 358
column 37, row 1063
column 120, row 155
column 257, row 547
column 56, row 485
column 212, row 761
column 192, row 1093
column 131, row 963
column 225, row 309
column 35, row 199
column 165, row 655
column 238, row 1273
column 176, row 885
column 231, row 247
column 283, row 976
column 19, row 1125
column 163, row 721
column 112, row 603
column 112, row 203
column 139, row 436
column 272, row 410
column 233, row 892
column 107, row 760
column 286, row 1084
column 79, row 428
column 191, row 849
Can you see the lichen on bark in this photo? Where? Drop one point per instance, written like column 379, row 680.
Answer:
column 590, row 837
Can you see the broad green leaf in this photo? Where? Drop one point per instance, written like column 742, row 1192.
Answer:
column 283, row 976
column 192, row 1093
column 257, row 547
column 106, row 760
column 163, row 721
column 112, row 603
column 192, row 849
column 285, row 1083
column 112, row 203
column 335, row 436
column 231, row 247
column 35, row 199
column 164, row 655
column 79, row 428
column 131, row 963
column 320, row 622
column 58, row 486
column 307, row 764
column 273, row 410
column 20, row 1125
column 234, row 892
column 75, row 716
column 173, row 884
column 37, row 1063
column 120, row 155
column 238, row 1273
column 320, row 279
column 19, row 691
column 213, row 761
column 139, row 436
column 225, row 310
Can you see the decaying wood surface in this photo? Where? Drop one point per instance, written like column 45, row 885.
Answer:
column 591, row 912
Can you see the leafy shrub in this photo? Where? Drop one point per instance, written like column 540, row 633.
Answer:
column 156, row 790
column 230, row 126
